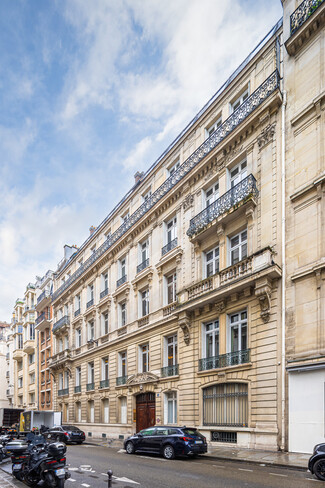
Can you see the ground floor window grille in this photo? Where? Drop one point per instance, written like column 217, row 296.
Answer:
column 226, row 404
column 228, row 437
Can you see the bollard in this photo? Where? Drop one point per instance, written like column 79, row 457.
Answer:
column 110, row 474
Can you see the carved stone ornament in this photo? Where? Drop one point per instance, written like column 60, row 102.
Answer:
column 264, row 296
column 188, row 202
column 185, row 325
column 232, row 153
column 220, row 306
column 266, row 136
column 135, row 379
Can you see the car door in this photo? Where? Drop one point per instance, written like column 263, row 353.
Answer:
column 159, row 438
column 146, row 442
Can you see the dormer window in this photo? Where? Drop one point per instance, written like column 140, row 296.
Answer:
column 210, row 130
column 174, row 167
column 146, row 195
column 93, row 249
column 239, row 100
column 125, row 217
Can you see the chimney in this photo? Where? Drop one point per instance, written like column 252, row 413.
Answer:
column 138, row 177
column 92, row 230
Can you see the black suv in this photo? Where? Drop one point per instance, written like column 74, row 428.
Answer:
column 66, row 433
column 168, row 441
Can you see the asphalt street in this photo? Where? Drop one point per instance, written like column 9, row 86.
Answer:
column 89, row 465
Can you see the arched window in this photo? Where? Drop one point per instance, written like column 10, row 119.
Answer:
column 226, row 404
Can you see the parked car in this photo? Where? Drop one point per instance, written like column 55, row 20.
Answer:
column 168, row 441
column 66, row 433
column 316, row 463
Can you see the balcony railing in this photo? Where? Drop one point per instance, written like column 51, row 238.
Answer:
column 239, row 193
column 229, row 359
column 63, row 392
column 143, row 265
column 43, row 295
column 90, row 386
column 61, row 323
column 77, row 312
column 103, row 293
column 121, row 380
column 41, row 317
column 169, row 246
column 77, row 389
column 104, row 384
column 236, row 118
column 302, row 13
column 90, row 303
column 169, row 371
column 121, row 281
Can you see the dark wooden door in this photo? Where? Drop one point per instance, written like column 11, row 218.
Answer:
column 146, row 411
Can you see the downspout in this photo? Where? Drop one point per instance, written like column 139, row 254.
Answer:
column 283, row 251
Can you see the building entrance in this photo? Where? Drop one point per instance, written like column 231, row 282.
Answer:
column 146, row 410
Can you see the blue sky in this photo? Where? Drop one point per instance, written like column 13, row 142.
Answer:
column 90, row 93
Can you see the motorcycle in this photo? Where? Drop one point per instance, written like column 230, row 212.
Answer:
column 38, row 461
column 4, row 439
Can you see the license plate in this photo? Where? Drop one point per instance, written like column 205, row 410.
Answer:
column 198, row 442
column 16, row 467
column 59, row 472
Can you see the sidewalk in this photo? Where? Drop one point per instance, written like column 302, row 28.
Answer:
column 282, row 459
column 6, row 480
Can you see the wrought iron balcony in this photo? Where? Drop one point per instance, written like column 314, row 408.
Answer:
column 77, row 389
column 61, row 323
column 90, row 386
column 238, row 194
column 104, row 384
column 90, row 303
column 121, row 380
column 229, row 359
column 77, row 312
column 143, row 265
column 169, row 246
column 121, row 281
column 169, row 371
column 103, row 293
column 236, row 118
column 302, row 13
column 63, row 392
column 41, row 317
column 43, row 295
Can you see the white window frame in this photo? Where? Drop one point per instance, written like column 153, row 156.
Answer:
column 143, row 251
column 78, row 376
column 122, row 314
column 122, row 355
column 105, row 368
column 122, row 265
column 105, row 407
column 173, row 167
column 91, row 411
column 144, row 352
column 213, row 332
column 173, row 285
column 173, row 345
column 91, row 330
column 170, row 397
column 214, row 195
column 215, row 261
column 123, row 410
column 104, row 280
column 170, row 230
column 240, row 176
column 146, row 195
column 239, row 100
column 90, row 292
column 78, row 337
column 105, row 323
column 241, row 246
column 241, row 323
column 125, row 217
column 211, row 128
column 78, row 411
column 144, row 302
column 77, row 302
column 91, row 372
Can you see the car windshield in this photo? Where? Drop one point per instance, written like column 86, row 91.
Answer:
column 71, row 427
column 191, row 431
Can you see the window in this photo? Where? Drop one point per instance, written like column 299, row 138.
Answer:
column 173, row 167
column 144, row 358
column 211, row 194
column 236, row 103
column 105, row 281
column 19, row 341
column 78, row 337
column 238, row 173
column 60, row 381
column 122, row 267
column 77, row 303
column 31, row 358
column 80, row 262
column 66, row 379
column 91, row 411
column 123, row 410
column 32, row 378
column 90, row 294
column 105, row 410
column 20, row 382
column 122, row 364
column 144, row 302
column 124, row 217
column 143, row 251
column 66, row 342
column 211, row 262
column 122, row 307
column 146, row 195
column 91, row 330
column 78, row 376
column 226, row 404
column 171, row 288
column 105, row 323
column 210, row 130
column 238, row 331
column 93, row 249
column 32, row 398
column 31, row 332
column 78, row 411
column 238, row 247
column 105, row 368
column 170, row 357
column 171, row 230
column 211, row 339
column 171, row 407
column 91, row 373
column 59, row 343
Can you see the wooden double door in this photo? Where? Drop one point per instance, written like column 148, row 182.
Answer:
column 146, row 410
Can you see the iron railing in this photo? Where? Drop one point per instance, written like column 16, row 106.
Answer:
column 121, row 281
column 231, row 123
column 103, row 293
column 302, row 13
column 143, row 265
column 43, row 295
column 229, row 359
column 77, row 389
column 169, row 246
column 121, row 380
column 242, row 191
column 90, row 303
column 61, row 323
column 77, row 312
column 104, row 384
column 90, row 386
column 41, row 317
column 169, row 371
column 64, row 391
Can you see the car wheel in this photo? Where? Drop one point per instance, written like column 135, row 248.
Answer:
column 130, row 448
column 319, row 469
column 168, row 452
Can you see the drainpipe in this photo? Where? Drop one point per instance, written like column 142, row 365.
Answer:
column 283, row 250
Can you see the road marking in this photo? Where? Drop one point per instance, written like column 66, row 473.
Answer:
column 242, row 469
column 85, row 485
column 84, row 466
column 73, row 469
column 277, row 474
column 71, row 479
column 155, row 459
column 218, row 466
column 121, row 450
column 125, row 480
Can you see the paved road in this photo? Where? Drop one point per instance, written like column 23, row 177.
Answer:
column 89, row 465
